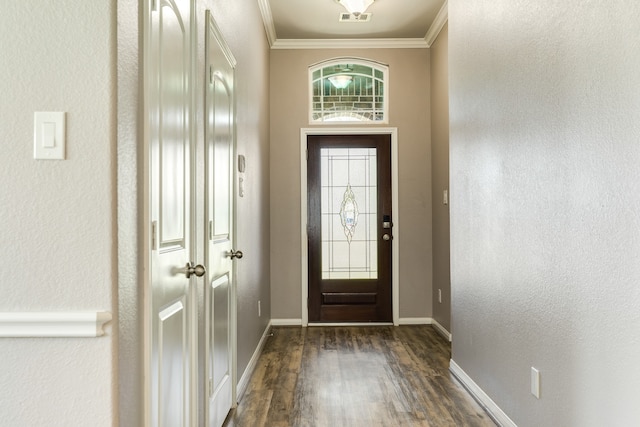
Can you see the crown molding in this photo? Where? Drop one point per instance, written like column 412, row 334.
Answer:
column 406, row 43
column 437, row 24
column 350, row 44
column 267, row 20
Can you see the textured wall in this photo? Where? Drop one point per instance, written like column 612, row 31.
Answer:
column 57, row 217
column 545, row 187
column 440, row 176
column 129, row 154
column 409, row 112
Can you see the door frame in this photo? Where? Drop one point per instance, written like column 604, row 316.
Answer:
column 395, row 243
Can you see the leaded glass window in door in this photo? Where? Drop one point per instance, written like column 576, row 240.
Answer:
column 349, row 213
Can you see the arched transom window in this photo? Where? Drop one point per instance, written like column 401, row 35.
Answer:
column 348, row 90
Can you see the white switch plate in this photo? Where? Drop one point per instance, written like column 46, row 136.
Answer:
column 535, row 382
column 49, row 132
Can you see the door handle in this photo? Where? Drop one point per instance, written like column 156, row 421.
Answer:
column 190, row 269
column 235, row 254
column 385, row 236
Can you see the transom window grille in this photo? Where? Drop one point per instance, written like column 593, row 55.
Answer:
column 348, row 90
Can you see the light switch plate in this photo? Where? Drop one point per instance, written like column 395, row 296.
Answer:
column 49, row 132
column 535, row 382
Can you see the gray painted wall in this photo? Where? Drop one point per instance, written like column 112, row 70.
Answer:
column 129, row 216
column 440, row 176
column 57, row 217
column 545, row 202
column 409, row 112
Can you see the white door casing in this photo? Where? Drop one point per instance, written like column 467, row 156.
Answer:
column 395, row 261
column 170, row 338
column 219, row 188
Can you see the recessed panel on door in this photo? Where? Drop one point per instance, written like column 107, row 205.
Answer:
column 173, row 126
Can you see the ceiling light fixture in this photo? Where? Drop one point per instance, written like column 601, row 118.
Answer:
column 340, row 81
column 356, row 7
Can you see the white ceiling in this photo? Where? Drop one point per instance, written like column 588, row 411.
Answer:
column 315, row 23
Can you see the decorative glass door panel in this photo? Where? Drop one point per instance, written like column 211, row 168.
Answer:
column 348, row 205
column 349, row 211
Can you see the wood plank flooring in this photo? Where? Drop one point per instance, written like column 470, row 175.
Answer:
column 356, row 377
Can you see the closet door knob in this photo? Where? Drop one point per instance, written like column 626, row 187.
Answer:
column 235, row 254
column 190, row 269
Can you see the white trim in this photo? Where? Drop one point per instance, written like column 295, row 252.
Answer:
column 395, row 243
column 222, row 43
column 58, row 324
column 415, row 321
column 442, row 330
column 304, row 248
column 350, row 44
column 437, row 24
column 478, row 394
column 267, row 20
column 286, row 322
column 312, row 325
column 241, row 388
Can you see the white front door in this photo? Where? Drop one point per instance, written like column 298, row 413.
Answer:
column 169, row 138
column 220, row 293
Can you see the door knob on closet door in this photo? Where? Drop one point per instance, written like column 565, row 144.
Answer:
column 235, row 254
column 190, row 269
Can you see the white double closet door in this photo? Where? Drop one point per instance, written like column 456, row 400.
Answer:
column 171, row 309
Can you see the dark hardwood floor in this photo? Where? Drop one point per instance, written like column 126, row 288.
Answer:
column 356, row 376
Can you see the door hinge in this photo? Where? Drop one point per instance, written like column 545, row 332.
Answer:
column 210, row 74
column 154, row 5
column 307, row 154
column 210, row 387
column 154, row 234
column 210, row 230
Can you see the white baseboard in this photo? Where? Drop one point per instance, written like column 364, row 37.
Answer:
column 286, row 322
column 442, row 330
column 485, row 401
column 357, row 324
column 241, row 388
column 414, row 321
column 401, row 321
